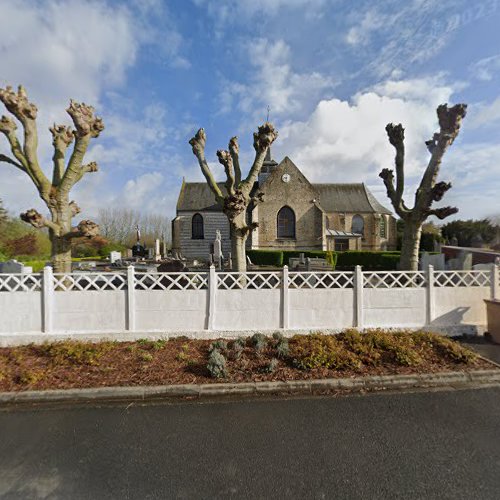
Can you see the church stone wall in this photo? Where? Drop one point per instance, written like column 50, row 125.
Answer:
column 298, row 194
column 201, row 248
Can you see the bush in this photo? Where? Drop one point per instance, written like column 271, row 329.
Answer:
column 220, row 345
column 371, row 261
column 259, row 341
column 271, row 366
column 266, row 257
column 322, row 351
column 216, row 364
column 282, row 348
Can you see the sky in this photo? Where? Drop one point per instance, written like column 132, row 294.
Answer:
column 332, row 72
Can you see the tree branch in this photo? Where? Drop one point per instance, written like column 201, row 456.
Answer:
column 26, row 113
column 8, row 127
column 234, row 149
column 442, row 213
column 387, row 175
column 87, row 126
column 198, row 144
column 396, row 135
column 450, row 120
column 38, row 220
column 262, row 140
column 85, row 229
column 6, row 159
column 62, row 137
column 226, row 160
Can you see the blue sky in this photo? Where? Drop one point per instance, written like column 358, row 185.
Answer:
column 333, row 72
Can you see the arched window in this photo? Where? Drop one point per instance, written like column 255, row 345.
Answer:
column 383, row 227
column 286, row 223
column 358, row 224
column 197, row 232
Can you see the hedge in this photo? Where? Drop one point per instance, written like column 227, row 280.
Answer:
column 370, row 261
column 266, row 257
column 279, row 258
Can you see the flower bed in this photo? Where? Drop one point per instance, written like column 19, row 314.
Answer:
column 71, row 364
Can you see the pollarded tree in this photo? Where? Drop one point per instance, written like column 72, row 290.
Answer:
column 65, row 175
column 238, row 194
column 429, row 190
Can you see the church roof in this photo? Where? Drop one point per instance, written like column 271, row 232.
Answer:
column 197, row 196
column 348, row 198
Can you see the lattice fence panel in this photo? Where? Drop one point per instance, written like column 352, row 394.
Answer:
column 323, row 280
column 20, row 282
column 171, row 281
column 265, row 280
column 89, row 281
column 461, row 278
column 394, row 279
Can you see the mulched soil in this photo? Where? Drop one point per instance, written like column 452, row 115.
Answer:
column 176, row 361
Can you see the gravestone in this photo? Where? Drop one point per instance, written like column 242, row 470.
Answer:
column 157, row 250
column 463, row 262
column 14, row 267
column 434, row 260
column 115, row 257
column 218, row 250
column 151, row 253
column 138, row 250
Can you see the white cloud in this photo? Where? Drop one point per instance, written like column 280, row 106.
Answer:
column 273, row 82
column 485, row 69
column 485, row 114
column 83, row 50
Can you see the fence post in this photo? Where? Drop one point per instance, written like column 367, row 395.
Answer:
column 358, row 297
column 284, row 299
column 47, row 299
column 130, row 299
column 430, row 308
column 212, row 292
column 495, row 293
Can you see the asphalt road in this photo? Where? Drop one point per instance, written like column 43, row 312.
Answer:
column 414, row 445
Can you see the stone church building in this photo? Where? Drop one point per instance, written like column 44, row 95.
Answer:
column 295, row 215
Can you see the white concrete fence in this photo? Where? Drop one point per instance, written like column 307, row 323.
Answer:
column 206, row 304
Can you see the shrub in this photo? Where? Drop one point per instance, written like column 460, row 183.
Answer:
column 452, row 350
column 79, row 353
column 220, row 345
column 282, row 348
column 371, row 261
column 266, row 257
column 259, row 341
column 317, row 351
column 216, row 364
column 271, row 366
column 278, row 336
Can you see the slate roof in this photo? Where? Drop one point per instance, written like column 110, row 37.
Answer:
column 348, row 198
column 196, row 196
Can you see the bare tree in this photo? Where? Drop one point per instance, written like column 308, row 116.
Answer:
column 428, row 191
column 65, row 175
column 119, row 225
column 238, row 192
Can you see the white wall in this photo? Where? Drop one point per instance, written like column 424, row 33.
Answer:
column 250, row 304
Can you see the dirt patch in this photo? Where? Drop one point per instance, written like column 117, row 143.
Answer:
column 70, row 364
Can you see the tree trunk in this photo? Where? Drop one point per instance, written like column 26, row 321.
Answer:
column 61, row 254
column 238, row 252
column 410, row 246
column 61, row 246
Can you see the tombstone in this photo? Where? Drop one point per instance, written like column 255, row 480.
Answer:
column 454, row 241
column 14, row 267
column 437, row 261
column 157, row 250
column 115, row 257
column 151, row 253
column 218, row 250
column 128, row 253
column 172, row 266
column 138, row 250
column 463, row 262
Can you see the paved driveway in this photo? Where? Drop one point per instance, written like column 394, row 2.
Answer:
column 414, row 445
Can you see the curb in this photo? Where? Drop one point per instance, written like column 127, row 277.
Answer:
column 430, row 380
